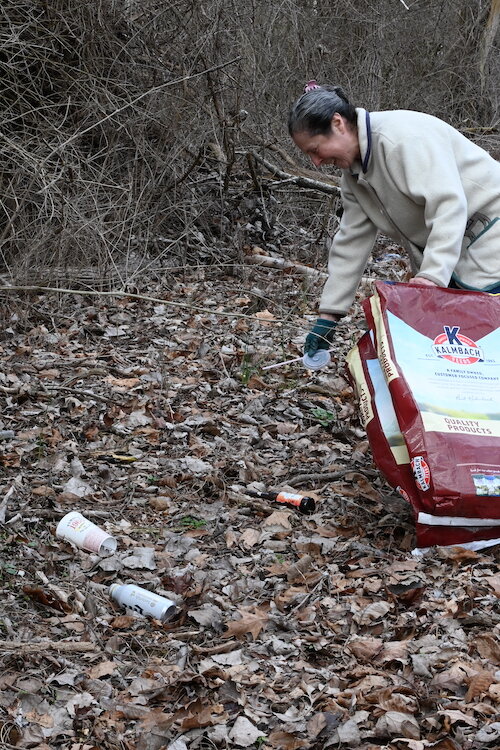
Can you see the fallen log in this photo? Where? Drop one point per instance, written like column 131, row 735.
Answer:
column 284, row 264
column 325, row 186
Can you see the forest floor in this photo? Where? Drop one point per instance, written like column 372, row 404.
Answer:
column 292, row 631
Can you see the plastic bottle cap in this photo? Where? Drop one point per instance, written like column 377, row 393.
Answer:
column 318, row 360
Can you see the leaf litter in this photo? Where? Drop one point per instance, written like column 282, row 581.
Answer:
column 291, row 631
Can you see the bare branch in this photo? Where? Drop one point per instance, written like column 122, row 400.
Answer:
column 325, row 185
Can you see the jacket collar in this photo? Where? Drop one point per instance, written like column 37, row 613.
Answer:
column 365, row 141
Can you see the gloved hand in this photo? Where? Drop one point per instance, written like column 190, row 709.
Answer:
column 320, row 336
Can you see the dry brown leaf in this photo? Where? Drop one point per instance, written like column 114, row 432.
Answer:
column 255, row 250
column 48, row 598
column 366, row 489
column 256, row 383
column 452, row 716
column 325, row 531
column 365, row 649
column 231, row 538
column 487, row 646
column 91, row 432
column 277, row 569
column 450, row 679
column 399, row 724
column 43, row 491
column 249, row 538
column 298, row 571
column 494, row 692
column 407, row 593
column 445, row 744
column 156, row 718
column 160, row 503
column 372, row 613
column 265, row 317
column 122, row 622
column 285, row 597
column 279, row 518
column 316, row 725
column 241, row 326
column 393, row 651
column 395, row 699
column 494, row 582
column 402, row 566
column 250, row 622
column 479, row 684
column 103, row 669
column 200, row 715
column 458, row 555
column 44, row 720
column 10, row 459
column 122, row 384
column 286, row 740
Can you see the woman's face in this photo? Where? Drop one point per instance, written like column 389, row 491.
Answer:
column 339, row 148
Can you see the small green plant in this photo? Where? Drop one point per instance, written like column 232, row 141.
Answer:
column 247, row 369
column 280, row 558
column 190, row 522
column 323, row 416
column 8, row 568
column 41, row 447
column 260, row 741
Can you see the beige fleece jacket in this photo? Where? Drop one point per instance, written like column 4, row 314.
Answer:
column 428, row 187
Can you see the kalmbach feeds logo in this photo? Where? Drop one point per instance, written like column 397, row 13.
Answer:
column 421, row 472
column 457, row 348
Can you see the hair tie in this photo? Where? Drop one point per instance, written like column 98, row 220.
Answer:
column 310, row 86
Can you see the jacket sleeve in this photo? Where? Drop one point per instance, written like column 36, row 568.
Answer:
column 349, row 251
column 427, row 172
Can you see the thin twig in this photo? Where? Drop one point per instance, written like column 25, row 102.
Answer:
column 86, row 394
column 64, row 646
column 55, row 515
column 134, row 101
column 130, row 295
column 327, row 476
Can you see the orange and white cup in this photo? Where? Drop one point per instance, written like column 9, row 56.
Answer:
column 74, row 527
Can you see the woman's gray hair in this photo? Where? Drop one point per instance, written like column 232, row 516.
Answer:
column 312, row 112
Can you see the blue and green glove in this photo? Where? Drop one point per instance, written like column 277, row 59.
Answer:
column 320, row 336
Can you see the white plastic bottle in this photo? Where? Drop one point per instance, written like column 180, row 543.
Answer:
column 145, row 602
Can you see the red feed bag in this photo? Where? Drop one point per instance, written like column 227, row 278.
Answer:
column 439, row 350
column 391, row 455
column 379, row 420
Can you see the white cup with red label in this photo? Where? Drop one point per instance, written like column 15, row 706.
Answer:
column 84, row 534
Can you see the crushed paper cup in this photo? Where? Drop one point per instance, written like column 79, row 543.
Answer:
column 74, row 527
column 318, row 360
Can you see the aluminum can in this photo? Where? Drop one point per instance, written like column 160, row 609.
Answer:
column 142, row 601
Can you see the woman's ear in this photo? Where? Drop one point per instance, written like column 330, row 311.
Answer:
column 337, row 123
